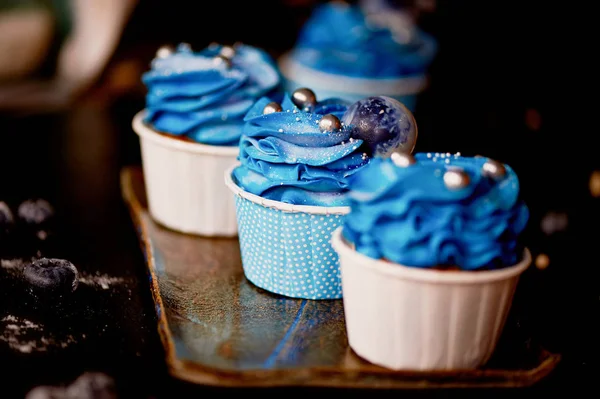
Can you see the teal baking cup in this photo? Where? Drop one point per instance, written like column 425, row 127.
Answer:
column 286, row 249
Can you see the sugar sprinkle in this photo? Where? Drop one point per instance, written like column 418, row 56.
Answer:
column 18, row 333
column 103, row 281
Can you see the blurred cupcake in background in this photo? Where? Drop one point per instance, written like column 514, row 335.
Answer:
column 356, row 51
column 190, row 130
column 433, row 244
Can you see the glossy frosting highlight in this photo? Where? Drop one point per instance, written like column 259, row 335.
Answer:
column 190, row 94
column 340, row 39
column 285, row 157
column 409, row 216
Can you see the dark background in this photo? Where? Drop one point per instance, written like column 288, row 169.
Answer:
column 503, row 85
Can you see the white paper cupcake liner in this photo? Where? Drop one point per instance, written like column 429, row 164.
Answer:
column 406, row 318
column 184, row 183
column 327, row 85
column 286, row 248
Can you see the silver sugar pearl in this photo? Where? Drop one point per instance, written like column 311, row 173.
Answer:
column 221, row 60
column 330, row 123
column 227, row 51
column 271, row 108
column 402, row 160
column 304, row 97
column 164, row 51
column 455, row 179
column 493, row 169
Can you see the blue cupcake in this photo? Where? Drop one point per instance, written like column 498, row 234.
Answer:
column 190, row 131
column 433, row 242
column 344, row 52
column 297, row 157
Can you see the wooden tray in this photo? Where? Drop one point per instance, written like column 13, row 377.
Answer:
column 219, row 329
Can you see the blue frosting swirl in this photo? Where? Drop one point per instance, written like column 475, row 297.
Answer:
column 190, row 95
column 407, row 214
column 285, row 157
column 340, row 39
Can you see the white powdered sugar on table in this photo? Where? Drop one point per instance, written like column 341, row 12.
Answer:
column 22, row 335
column 103, row 281
column 12, row 263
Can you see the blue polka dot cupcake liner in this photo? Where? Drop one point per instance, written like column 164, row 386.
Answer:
column 286, row 249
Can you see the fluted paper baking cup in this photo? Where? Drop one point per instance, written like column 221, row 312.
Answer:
column 406, row 318
column 184, row 183
column 328, row 85
column 286, row 248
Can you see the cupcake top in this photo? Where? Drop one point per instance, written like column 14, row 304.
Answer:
column 437, row 210
column 203, row 96
column 341, row 39
column 298, row 153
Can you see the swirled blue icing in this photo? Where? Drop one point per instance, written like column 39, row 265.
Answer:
column 285, row 157
column 340, row 39
column 191, row 95
column 407, row 214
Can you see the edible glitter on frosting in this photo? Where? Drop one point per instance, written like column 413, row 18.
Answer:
column 190, row 94
column 285, row 157
column 409, row 216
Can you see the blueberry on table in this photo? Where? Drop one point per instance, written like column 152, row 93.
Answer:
column 384, row 124
column 6, row 218
column 35, row 212
column 6, row 226
column 87, row 386
column 51, row 276
column 93, row 386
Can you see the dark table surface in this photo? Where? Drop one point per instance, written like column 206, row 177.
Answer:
column 479, row 102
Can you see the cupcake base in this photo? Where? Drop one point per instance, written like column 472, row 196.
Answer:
column 327, row 85
column 286, row 248
column 406, row 318
column 184, row 183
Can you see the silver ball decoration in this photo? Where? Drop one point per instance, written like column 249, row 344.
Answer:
column 304, row 98
column 164, row 51
column 330, row 123
column 493, row 169
column 220, row 60
column 402, row 159
column 455, row 179
column 271, row 108
column 227, row 51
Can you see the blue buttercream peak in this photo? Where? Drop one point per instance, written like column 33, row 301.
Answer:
column 411, row 215
column 286, row 157
column 204, row 98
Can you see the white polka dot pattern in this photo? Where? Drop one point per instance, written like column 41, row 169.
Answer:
column 289, row 253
